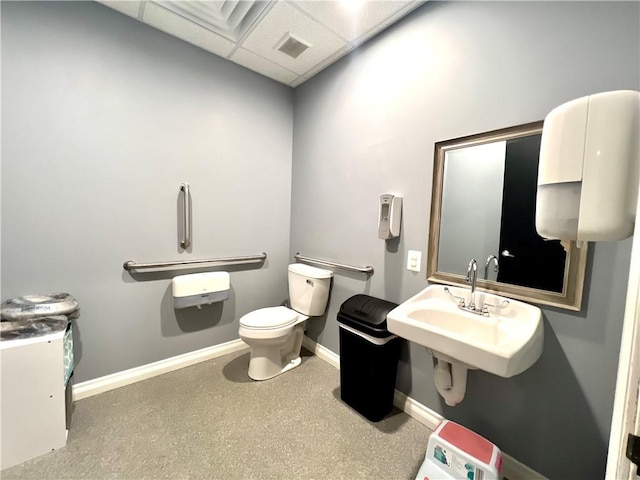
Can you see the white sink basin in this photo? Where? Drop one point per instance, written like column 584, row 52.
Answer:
column 505, row 343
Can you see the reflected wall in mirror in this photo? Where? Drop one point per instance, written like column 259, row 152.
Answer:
column 483, row 207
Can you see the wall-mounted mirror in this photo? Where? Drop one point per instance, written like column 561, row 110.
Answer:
column 483, row 207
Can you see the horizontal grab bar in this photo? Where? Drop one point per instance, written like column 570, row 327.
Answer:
column 368, row 270
column 131, row 265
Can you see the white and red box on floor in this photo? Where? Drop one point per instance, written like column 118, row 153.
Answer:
column 455, row 452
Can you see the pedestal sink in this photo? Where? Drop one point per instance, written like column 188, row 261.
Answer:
column 504, row 340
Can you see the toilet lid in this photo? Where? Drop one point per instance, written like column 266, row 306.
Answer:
column 271, row 317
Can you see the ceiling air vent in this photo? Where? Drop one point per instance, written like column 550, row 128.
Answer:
column 292, row 45
column 230, row 18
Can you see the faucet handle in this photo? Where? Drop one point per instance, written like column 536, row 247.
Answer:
column 460, row 300
column 505, row 303
column 485, row 307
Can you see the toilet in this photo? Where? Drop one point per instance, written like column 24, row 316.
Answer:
column 275, row 333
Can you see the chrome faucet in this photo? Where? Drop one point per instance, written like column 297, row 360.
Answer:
column 490, row 258
column 472, row 277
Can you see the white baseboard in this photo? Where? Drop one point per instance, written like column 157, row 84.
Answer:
column 321, row 352
column 429, row 418
column 137, row 374
column 512, row 468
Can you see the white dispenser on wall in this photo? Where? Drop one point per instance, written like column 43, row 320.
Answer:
column 389, row 216
column 199, row 289
column 588, row 170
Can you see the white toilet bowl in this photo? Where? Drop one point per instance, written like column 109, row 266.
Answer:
column 275, row 333
column 275, row 337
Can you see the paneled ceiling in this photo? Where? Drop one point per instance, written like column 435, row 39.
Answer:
column 288, row 41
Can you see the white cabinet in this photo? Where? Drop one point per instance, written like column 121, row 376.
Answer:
column 32, row 398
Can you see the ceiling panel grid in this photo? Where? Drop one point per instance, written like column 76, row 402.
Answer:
column 250, row 32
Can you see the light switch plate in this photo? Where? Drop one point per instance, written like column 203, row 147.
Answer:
column 414, row 260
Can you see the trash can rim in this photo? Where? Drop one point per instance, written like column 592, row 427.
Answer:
column 369, row 338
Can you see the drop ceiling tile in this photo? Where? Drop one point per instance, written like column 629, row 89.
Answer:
column 128, row 8
column 175, row 25
column 265, row 67
column 283, row 19
column 326, row 62
column 352, row 24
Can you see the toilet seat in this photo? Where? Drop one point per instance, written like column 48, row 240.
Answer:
column 269, row 318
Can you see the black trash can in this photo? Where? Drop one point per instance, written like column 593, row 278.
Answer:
column 368, row 356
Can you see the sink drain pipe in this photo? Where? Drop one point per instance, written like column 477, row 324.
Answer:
column 451, row 381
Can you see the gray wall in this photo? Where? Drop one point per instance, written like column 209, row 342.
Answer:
column 102, row 118
column 368, row 125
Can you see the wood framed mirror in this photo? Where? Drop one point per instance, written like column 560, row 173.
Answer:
column 483, row 207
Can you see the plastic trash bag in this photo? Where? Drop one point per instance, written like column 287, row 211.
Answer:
column 26, row 328
column 32, row 306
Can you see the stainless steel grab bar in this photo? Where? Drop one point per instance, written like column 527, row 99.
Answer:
column 186, row 225
column 368, row 270
column 130, row 265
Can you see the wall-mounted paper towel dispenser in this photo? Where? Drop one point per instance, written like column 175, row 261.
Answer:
column 199, row 289
column 588, row 170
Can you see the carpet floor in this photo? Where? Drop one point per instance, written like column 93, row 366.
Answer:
column 212, row 421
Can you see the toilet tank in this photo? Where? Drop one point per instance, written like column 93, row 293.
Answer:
column 309, row 289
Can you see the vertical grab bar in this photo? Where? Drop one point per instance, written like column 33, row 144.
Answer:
column 186, row 225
